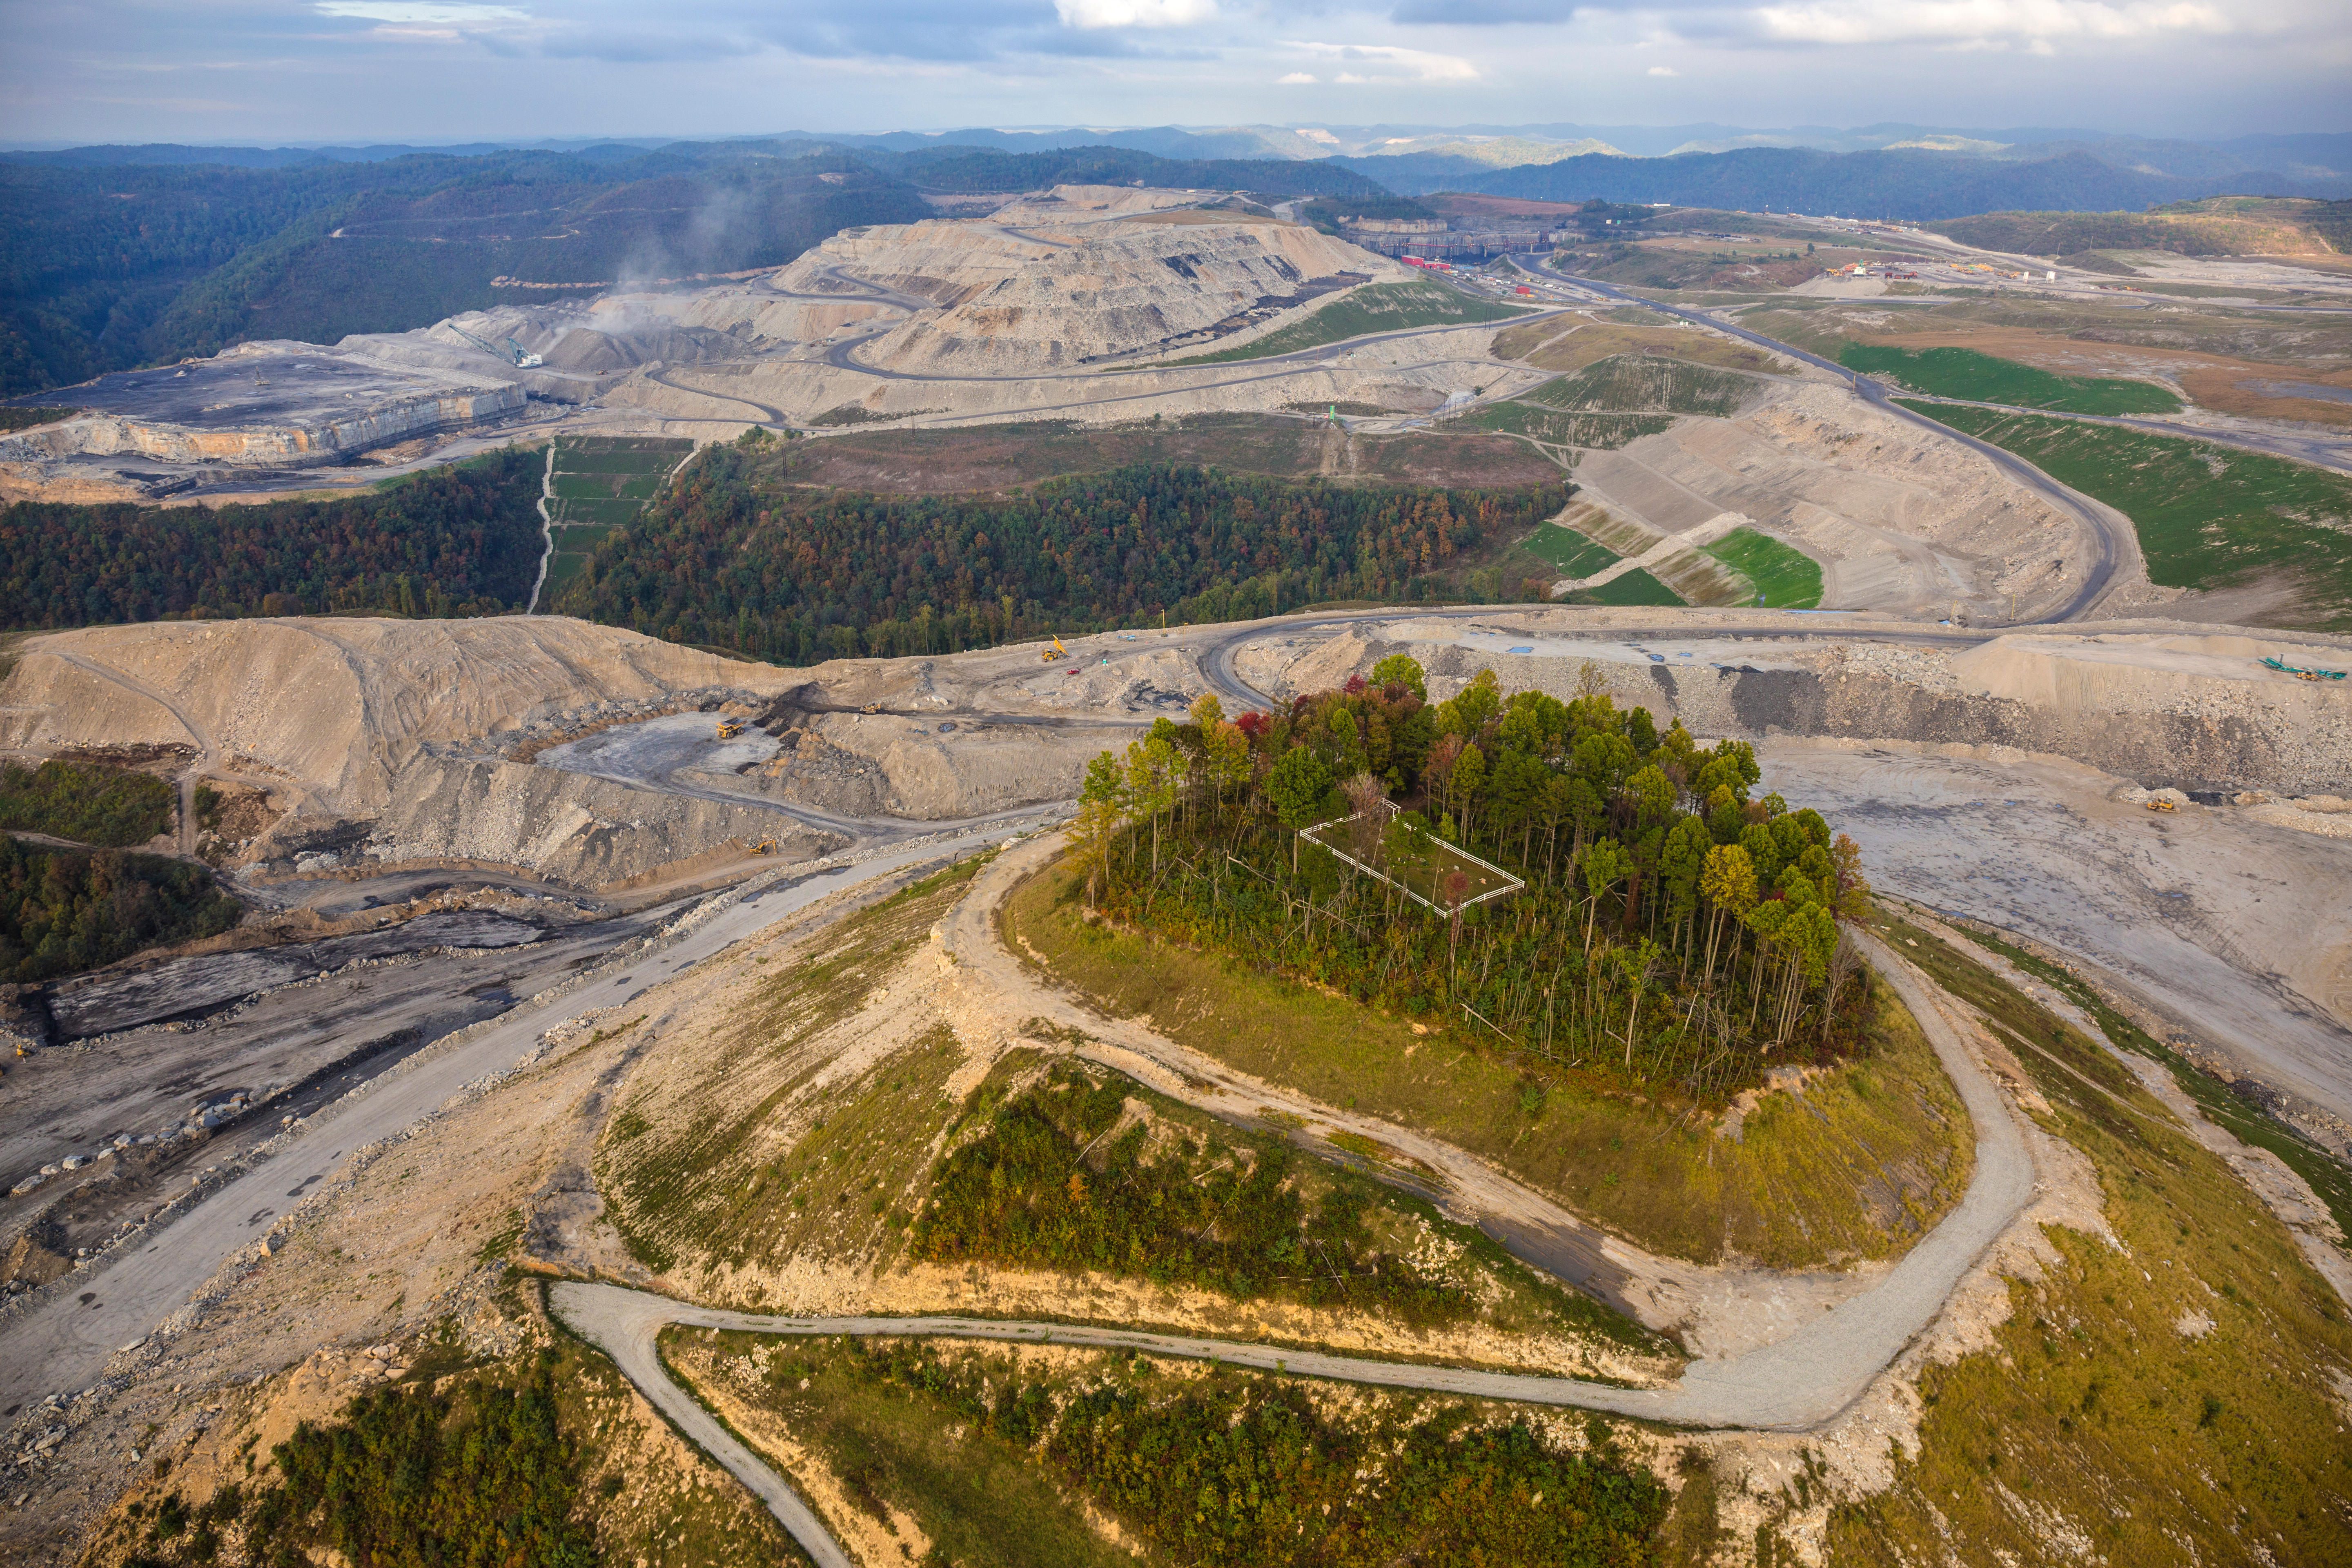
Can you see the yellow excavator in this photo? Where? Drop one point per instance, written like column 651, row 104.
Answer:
column 730, row 727
column 2162, row 805
column 1057, row 651
column 765, row 847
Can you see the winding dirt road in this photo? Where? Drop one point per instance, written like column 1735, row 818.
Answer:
column 1801, row 1380
column 207, row 753
column 65, row 1337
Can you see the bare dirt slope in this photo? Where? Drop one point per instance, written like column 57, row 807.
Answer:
column 1901, row 520
column 388, row 734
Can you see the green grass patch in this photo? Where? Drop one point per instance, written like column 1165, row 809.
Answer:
column 573, row 486
column 2160, row 1393
column 1646, row 384
column 1982, row 378
column 1000, row 1454
column 605, row 481
column 112, row 808
column 1568, row 550
column 580, row 537
column 1866, row 1161
column 1785, row 577
column 622, row 454
column 1598, row 431
column 562, row 567
column 2206, row 516
column 1634, row 587
column 1377, row 307
column 726, row 1164
column 605, row 513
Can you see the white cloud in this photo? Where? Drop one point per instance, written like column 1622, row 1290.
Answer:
column 1296, row 79
column 1664, row 71
column 422, row 12
column 1091, row 14
column 1349, row 78
column 1424, row 66
column 2039, row 25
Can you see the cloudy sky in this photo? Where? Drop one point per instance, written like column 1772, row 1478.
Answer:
column 288, row 70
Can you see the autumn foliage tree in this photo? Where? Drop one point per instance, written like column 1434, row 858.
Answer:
column 1672, row 926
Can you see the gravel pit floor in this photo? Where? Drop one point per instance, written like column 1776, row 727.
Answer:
column 2238, row 930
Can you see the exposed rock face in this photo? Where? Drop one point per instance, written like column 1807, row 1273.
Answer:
column 1057, row 296
column 332, row 711
column 589, row 832
column 2189, row 711
column 376, row 737
column 278, row 405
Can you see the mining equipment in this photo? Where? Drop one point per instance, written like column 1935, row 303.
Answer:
column 2162, row 805
column 514, row 353
column 2301, row 674
column 871, row 707
column 730, row 727
column 765, row 847
column 1056, row 651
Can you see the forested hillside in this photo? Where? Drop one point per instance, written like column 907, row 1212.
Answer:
column 732, row 557
column 462, row 540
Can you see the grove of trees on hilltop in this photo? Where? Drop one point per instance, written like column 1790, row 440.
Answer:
column 1674, row 928
column 730, row 557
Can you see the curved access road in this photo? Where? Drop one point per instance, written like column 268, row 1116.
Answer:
column 1216, row 656
column 2111, row 540
column 1797, row 1383
column 62, row 1339
column 207, row 755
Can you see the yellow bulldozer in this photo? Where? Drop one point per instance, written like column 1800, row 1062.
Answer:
column 2162, row 805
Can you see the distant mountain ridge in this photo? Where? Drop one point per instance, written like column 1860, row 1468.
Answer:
column 1908, row 184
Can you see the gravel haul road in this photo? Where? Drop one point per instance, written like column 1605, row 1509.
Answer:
column 61, row 1340
column 2112, row 538
column 1796, row 1383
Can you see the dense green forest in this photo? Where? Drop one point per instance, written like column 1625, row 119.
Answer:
column 733, row 557
column 1671, row 932
column 1256, row 1470
column 65, row 910
column 458, row 542
column 111, row 807
column 408, row 1476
